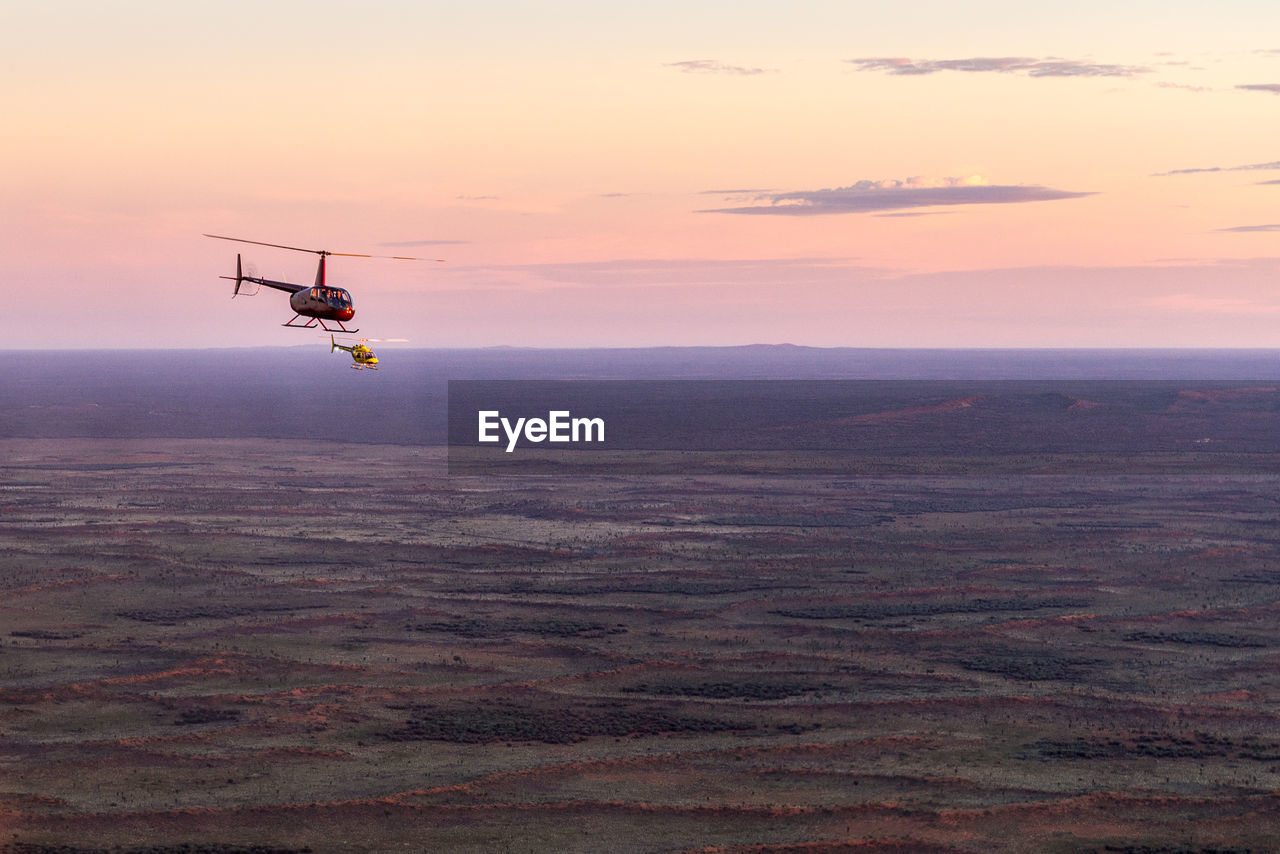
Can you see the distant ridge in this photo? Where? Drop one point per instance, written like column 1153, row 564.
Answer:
column 292, row 392
column 745, row 361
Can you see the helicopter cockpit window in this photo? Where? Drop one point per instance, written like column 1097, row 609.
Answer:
column 335, row 297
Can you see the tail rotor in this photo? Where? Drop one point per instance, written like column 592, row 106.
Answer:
column 238, row 278
column 241, row 277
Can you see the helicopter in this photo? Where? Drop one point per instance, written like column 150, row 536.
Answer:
column 318, row 302
column 361, row 352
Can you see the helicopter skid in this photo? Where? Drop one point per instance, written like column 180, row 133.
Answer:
column 313, row 321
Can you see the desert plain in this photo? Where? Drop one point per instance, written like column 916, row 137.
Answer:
column 266, row 645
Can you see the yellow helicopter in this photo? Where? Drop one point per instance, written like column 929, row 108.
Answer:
column 361, row 352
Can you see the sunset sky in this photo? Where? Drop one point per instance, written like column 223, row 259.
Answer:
column 936, row 174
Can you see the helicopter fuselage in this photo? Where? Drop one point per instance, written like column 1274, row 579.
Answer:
column 324, row 302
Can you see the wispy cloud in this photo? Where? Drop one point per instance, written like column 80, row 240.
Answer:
column 1051, row 67
column 1249, row 167
column 666, row 272
column 1273, row 88
column 1205, row 304
column 911, row 213
column 1268, row 227
column 1185, row 86
column 424, row 243
column 896, row 195
column 715, row 66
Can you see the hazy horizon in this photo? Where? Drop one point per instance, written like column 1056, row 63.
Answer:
column 291, row 392
column 584, row 348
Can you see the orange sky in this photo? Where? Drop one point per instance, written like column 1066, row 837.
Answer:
column 935, row 174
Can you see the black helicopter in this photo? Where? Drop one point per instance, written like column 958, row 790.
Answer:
column 318, row 302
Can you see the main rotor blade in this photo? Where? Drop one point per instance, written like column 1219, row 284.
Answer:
column 391, row 257
column 273, row 245
column 323, row 251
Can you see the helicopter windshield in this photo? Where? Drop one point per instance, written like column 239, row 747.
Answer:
column 335, row 297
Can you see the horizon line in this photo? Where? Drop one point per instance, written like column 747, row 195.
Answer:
column 762, row 346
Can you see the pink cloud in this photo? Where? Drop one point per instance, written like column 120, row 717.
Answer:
column 1051, row 67
column 868, row 196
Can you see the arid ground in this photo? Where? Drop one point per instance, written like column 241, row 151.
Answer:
column 274, row 645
